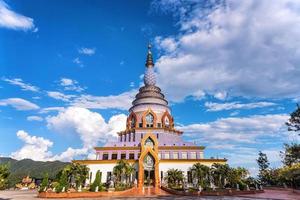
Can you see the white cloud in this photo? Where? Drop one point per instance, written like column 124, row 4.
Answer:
column 35, row 118
column 70, row 154
column 50, row 109
column 90, row 126
column 71, row 85
column 232, row 48
column 12, row 20
column 19, row 82
column 240, row 130
column 236, row 105
column 19, row 104
column 122, row 101
column 35, row 148
column 78, row 62
column 60, row 96
column 87, row 51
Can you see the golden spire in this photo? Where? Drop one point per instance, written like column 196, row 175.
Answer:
column 149, row 61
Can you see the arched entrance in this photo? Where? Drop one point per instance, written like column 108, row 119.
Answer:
column 149, row 162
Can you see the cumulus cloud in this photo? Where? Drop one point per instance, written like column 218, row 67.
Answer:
column 122, row 101
column 236, row 105
column 19, row 104
column 87, row 51
column 71, row 85
column 12, row 20
column 90, row 126
column 35, row 148
column 19, row 82
column 238, row 130
column 70, row 154
column 34, row 118
column 231, row 47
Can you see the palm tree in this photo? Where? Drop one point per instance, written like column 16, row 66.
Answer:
column 201, row 173
column 122, row 169
column 129, row 170
column 219, row 173
column 174, row 177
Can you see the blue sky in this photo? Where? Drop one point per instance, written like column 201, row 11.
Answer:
column 230, row 75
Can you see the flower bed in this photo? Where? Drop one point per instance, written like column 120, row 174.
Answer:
column 221, row 192
column 83, row 194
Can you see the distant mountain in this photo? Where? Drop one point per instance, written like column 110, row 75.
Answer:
column 35, row 169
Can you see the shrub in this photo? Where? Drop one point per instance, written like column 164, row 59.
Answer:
column 44, row 183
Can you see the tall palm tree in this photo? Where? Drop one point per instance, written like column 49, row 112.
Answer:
column 174, row 177
column 201, row 173
column 219, row 173
column 129, row 170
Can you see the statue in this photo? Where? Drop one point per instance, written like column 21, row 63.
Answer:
column 63, row 190
column 247, row 188
column 200, row 188
column 79, row 188
column 256, row 187
column 237, row 187
column 97, row 189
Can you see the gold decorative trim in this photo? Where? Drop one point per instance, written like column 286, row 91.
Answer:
column 117, row 148
column 193, row 160
column 84, row 162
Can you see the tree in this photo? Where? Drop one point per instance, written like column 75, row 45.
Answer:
column 263, row 165
column 97, row 182
column 291, row 174
column 219, row 173
column 174, row 178
column 123, row 169
column 201, row 173
column 237, row 176
column 63, row 182
column 44, row 183
column 291, row 154
column 4, row 173
column 294, row 121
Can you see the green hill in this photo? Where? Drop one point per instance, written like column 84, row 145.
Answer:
column 35, row 169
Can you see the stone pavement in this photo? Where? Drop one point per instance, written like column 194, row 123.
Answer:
column 150, row 195
column 276, row 194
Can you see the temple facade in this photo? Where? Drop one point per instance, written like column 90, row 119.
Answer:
column 150, row 142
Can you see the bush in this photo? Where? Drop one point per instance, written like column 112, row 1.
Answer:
column 122, row 186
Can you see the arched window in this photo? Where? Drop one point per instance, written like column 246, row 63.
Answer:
column 132, row 122
column 167, row 122
column 149, row 120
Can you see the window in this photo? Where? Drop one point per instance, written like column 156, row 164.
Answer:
column 193, row 155
column 132, row 122
column 158, row 125
column 123, row 156
column 149, row 120
column 105, row 156
column 189, row 177
column 167, row 122
column 108, row 176
column 129, row 137
column 131, row 156
column 140, row 125
column 184, row 155
column 91, row 175
column 161, row 176
column 142, row 136
column 133, row 137
column 167, row 155
column 157, row 135
column 175, row 155
column 139, row 155
column 121, row 137
column 114, row 156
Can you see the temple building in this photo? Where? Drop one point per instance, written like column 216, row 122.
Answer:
column 150, row 140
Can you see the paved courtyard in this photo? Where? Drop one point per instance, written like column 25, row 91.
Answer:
column 270, row 194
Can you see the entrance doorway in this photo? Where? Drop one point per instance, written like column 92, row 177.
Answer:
column 149, row 178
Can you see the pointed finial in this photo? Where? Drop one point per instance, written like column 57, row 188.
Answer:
column 149, row 61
